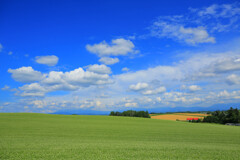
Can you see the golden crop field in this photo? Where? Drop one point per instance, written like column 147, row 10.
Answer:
column 179, row 116
column 192, row 114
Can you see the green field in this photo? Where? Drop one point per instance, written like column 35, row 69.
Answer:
column 43, row 136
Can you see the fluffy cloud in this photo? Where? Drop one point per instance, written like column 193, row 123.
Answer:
column 217, row 10
column 187, row 100
column 164, row 73
column 177, row 31
column 176, row 75
column 84, row 81
column 131, row 104
column 220, row 17
column 224, row 94
column 214, row 66
column 101, row 69
column 53, row 78
column 194, row 88
column 125, row 69
column 116, row 48
column 195, row 35
column 173, row 98
column 145, row 89
column 191, row 88
column 26, row 74
column 32, row 90
column 66, row 81
column 225, row 65
column 154, row 91
column 47, row 60
column 86, row 78
column 159, row 99
column 233, row 79
column 39, row 103
column 74, row 79
column 211, row 10
column 138, row 86
column 194, row 27
column 33, row 87
column 31, row 94
column 108, row 60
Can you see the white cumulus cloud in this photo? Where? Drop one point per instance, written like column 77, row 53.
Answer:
column 33, row 87
column 233, row 79
column 159, row 99
column 173, row 30
column 116, row 48
column 108, row 60
column 85, row 78
column 146, row 89
column 154, row 91
column 26, row 74
column 51, row 60
column 125, row 69
column 194, row 88
column 191, row 88
column 132, row 104
column 195, row 35
column 65, row 81
column 139, row 86
column 101, row 69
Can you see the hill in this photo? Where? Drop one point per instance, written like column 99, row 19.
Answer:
column 45, row 136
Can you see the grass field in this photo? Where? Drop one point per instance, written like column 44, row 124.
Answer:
column 42, row 136
column 179, row 116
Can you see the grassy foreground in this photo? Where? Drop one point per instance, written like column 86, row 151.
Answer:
column 42, row 136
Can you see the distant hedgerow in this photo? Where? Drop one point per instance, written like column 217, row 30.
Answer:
column 131, row 113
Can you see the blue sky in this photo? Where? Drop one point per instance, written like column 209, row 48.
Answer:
column 116, row 55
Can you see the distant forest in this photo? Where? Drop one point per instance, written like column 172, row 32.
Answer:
column 131, row 113
column 223, row 117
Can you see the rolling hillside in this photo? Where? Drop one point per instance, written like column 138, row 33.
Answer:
column 43, row 136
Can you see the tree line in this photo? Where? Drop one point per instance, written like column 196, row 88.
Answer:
column 131, row 113
column 222, row 117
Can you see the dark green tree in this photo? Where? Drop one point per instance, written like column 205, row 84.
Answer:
column 222, row 117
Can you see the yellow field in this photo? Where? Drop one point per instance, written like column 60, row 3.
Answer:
column 192, row 114
column 179, row 116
